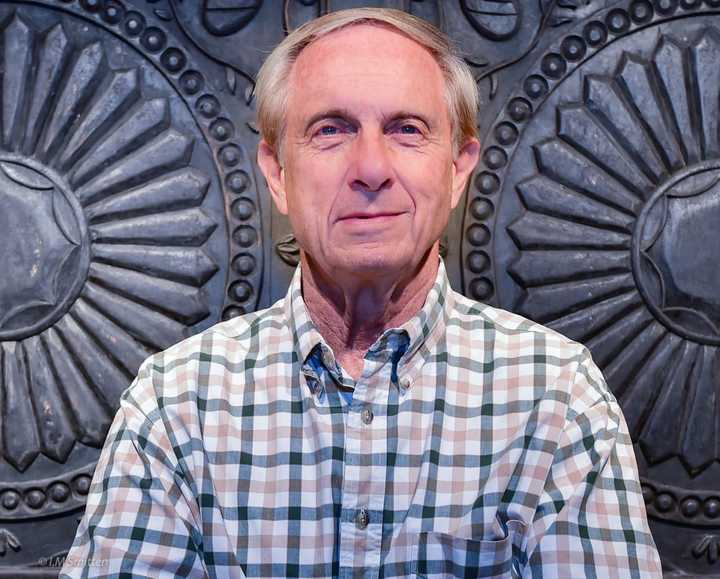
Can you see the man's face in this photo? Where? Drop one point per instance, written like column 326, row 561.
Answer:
column 368, row 176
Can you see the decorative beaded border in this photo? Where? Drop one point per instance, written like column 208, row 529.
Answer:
column 45, row 497
column 681, row 505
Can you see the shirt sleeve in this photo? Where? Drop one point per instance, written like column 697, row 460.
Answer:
column 591, row 519
column 140, row 519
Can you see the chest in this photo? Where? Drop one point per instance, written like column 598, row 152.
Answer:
column 390, row 481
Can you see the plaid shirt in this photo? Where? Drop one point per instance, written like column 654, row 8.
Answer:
column 476, row 443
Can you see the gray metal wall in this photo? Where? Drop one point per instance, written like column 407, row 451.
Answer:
column 132, row 215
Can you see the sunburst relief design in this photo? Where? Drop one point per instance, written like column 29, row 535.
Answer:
column 105, row 238
column 618, row 240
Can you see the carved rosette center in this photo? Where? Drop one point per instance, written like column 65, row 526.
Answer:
column 675, row 265
column 44, row 252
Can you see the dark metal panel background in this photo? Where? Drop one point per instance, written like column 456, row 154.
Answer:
column 132, row 215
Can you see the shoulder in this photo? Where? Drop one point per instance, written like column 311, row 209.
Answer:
column 516, row 346
column 199, row 365
column 498, row 324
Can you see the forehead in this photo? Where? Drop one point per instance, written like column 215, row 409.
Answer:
column 366, row 64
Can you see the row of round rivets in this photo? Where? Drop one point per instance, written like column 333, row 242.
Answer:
column 35, row 498
column 665, row 502
column 244, row 264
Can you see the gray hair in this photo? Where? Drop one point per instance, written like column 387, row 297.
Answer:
column 271, row 89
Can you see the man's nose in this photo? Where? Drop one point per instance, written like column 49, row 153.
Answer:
column 371, row 162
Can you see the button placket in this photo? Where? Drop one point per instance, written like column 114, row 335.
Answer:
column 364, row 482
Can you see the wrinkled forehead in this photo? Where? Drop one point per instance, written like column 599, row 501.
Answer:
column 366, row 64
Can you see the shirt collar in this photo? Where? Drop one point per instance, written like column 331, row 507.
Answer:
column 305, row 334
column 429, row 321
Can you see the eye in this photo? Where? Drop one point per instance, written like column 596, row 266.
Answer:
column 328, row 130
column 409, row 130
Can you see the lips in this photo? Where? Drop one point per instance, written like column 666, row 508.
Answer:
column 369, row 216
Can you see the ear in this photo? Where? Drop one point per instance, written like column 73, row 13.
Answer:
column 463, row 165
column 271, row 167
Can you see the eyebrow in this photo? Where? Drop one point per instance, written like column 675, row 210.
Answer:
column 347, row 115
column 409, row 115
column 329, row 114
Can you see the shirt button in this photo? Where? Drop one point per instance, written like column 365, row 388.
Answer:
column 366, row 416
column 363, row 518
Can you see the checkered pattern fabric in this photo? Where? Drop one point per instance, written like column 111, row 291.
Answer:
column 475, row 444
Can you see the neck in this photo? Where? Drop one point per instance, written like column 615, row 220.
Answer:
column 351, row 313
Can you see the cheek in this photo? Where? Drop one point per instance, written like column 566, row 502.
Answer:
column 307, row 210
column 431, row 193
column 314, row 189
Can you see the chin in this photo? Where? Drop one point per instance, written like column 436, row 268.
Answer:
column 373, row 261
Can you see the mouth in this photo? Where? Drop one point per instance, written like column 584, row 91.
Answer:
column 365, row 217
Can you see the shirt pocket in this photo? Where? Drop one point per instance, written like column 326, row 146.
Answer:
column 440, row 555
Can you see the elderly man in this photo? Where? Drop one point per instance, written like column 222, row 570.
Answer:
column 374, row 423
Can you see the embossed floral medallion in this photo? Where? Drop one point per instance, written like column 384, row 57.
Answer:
column 98, row 202
column 608, row 248
column 129, row 220
column 596, row 211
